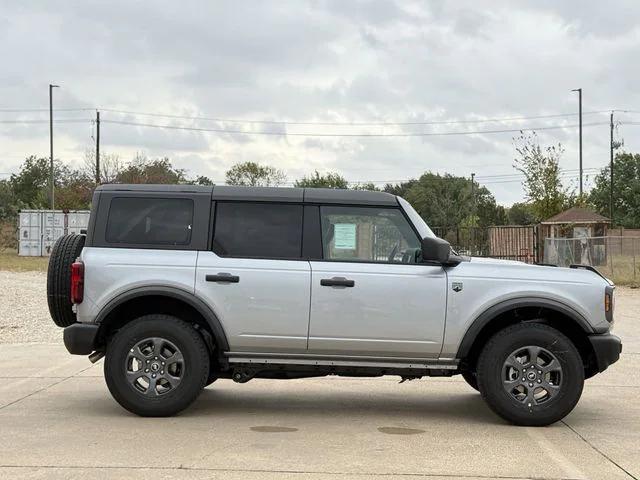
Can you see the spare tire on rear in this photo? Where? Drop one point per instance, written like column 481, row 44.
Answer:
column 65, row 251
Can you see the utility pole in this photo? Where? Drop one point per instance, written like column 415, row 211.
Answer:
column 97, row 147
column 579, row 90
column 611, row 169
column 473, row 212
column 51, row 179
column 473, row 195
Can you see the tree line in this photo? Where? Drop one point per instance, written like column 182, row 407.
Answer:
column 443, row 200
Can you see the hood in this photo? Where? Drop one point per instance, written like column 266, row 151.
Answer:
column 483, row 267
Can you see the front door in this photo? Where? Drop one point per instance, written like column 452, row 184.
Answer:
column 370, row 295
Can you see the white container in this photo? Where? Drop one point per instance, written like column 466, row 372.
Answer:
column 38, row 230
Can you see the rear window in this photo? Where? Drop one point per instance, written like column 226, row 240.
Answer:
column 259, row 230
column 150, row 221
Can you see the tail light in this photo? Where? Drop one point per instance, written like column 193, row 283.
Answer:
column 77, row 282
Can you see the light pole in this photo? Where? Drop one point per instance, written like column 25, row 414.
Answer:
column 579, row 90
column 51, row 87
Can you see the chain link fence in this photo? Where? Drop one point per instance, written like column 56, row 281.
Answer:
column 617, row 258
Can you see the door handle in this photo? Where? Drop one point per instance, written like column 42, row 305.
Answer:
column 337, row 282
column 223, row 278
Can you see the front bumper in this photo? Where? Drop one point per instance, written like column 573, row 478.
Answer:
column 607, row 349
column 80, row 338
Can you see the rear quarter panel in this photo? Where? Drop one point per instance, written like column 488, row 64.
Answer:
column 110, row 272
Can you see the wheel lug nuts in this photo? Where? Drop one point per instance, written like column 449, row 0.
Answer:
column 523, row 379
column 146, row 370
column 153, row 376
column 531, row 384
column 163, row 363
column 155, row 358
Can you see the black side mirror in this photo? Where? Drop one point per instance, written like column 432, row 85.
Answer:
column 435, row 249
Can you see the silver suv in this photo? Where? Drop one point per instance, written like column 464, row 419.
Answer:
column 179, row 286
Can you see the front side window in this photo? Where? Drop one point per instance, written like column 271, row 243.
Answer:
column 150, row 221
column 368, row 235
column 258, row 230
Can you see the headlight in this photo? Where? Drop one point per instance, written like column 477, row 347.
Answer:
column 608, row 303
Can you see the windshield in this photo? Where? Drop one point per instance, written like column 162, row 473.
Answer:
column 418, row 222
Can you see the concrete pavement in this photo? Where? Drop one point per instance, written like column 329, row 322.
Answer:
column 57, row 420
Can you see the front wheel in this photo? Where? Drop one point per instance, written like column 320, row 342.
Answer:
column 471, row 379
column 156, row 366
column 530, row 374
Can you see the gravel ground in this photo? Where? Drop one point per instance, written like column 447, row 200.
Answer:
column 24, row 315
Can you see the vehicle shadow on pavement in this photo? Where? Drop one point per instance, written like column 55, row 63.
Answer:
column 229, row 400
column 467, row 406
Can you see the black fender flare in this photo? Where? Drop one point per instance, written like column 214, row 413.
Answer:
column 171, row 292
column 494, row 311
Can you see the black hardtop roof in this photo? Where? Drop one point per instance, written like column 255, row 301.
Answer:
column 150, row 187
column 267, row 194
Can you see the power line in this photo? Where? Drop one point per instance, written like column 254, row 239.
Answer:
column 287, row 122
column 28, row 110
column 309, row 134
column 62, row 120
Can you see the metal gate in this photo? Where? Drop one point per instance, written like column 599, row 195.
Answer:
column 514, row 242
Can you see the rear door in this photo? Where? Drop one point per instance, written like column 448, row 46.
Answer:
column 254, row 277
column 370, row 296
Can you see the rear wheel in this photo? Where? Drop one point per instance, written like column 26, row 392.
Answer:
column 157, row 365
column 65, row 251
column 530, row 374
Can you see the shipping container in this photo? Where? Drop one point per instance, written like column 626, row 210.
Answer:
column 38, row 230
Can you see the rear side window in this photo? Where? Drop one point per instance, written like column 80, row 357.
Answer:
column 150, row 221
column 259, row 230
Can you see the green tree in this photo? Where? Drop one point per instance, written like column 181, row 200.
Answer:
column 31, row 184
column 9, row 203
column 626, row 190
column 541, row 170
column 144, row 170
column 202, row 180
column 75, row 192
column 400, row 189
column 521, row 214
column 328, row 180
column 252, row 174
column 446, row 201
column 365, row 186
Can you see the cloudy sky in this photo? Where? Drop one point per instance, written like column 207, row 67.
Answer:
column 331, row 66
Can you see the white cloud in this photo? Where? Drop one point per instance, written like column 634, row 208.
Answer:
column 319, row 61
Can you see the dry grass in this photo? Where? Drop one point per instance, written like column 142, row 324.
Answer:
column 9, row 260
column 623, row 270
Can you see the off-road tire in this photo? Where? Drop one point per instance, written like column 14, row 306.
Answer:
column 65, row 251
column 179, row 333
column 490, row 371
column 471, row 379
